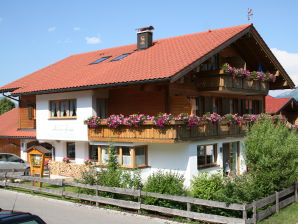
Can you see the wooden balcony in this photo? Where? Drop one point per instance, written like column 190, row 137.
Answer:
column 175, row 132
column 220, row 82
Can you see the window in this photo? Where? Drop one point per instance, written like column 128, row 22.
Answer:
column 14, row 159
column 63, row 109
column 93, row 152
column 207, row 155
column 31, row 111
column 71, row 150
column 73, row 108
column 101, row 108
column 100, row 60
column 128, row 157
column 141, row 156
column 120, row 57
column 54, row 108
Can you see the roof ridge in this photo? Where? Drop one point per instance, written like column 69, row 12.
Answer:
column 167, row 38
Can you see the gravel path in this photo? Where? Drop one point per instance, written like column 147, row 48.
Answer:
column 62, row 212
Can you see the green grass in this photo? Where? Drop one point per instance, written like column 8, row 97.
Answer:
column 288, row 215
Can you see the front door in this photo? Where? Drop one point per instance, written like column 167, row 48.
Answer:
column 231, row 161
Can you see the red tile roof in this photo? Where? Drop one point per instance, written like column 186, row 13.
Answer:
column 163, row 60
column 9, row 126
column 274, row 105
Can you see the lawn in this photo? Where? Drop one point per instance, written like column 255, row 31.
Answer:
column 288, row 215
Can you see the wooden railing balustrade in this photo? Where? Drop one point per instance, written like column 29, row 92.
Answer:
column 175, row 132
column 219, row 81
column 251, row 213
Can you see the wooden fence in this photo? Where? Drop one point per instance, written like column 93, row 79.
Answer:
column 290, row 195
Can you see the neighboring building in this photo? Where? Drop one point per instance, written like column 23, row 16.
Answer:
column 12, row 139
column 173, row 75
column 287, row 107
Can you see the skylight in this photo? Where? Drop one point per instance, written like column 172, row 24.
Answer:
column 100, row 60
column 120, row 57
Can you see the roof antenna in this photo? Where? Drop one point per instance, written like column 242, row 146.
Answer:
column 249, row 14
column 14, row 203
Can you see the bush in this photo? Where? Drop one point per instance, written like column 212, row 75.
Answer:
column 272, row 155
column 111, row 176
column 165, row 183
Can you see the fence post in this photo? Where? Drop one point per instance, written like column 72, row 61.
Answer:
column 244, row 213
column 140, row 201
column 96, row 193
column 254, row 210
column 5, row 179
column 63, row 188
column 277, row 201
column 188, row 207
column 296, row 192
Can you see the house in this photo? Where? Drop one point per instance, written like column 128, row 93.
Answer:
column 12, row 139
column 175, row 75
column 287, row 107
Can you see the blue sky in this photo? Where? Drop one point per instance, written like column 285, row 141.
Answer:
column 34, row 34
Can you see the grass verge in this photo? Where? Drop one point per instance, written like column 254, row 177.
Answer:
column 288, row 215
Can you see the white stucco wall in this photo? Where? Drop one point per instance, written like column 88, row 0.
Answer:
column 23, row 148
column 81, row 150
column 63, row 129
column 182, row 158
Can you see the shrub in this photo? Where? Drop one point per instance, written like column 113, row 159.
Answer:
column 165, row 183
column 111, row 176
column 272, row 155
column 207, row 186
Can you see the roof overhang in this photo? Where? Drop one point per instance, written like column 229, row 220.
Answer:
column 79, row 88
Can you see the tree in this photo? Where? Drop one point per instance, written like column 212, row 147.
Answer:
column 6, row 105
column 272, row 155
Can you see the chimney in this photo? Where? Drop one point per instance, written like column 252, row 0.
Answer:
column 144, row 37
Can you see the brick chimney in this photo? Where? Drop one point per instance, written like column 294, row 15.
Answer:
column 144, row 37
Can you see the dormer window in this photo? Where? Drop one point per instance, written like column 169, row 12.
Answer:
column 100, row 60
column 120, row 57
column 63, row 109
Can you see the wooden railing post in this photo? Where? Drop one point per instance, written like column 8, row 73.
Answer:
column 5, row 179
column 277, row 201
column 188, row 207
column 96, row 192
column 63, row 188
column 296, row 192
column 244, row 213
column 254, row 210
column 139, row 200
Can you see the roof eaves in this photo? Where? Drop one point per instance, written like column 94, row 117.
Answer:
column 18, row 137
column 216, row 50
column 8, row 90
column 90, row 87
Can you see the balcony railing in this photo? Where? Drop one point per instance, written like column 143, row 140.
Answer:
column 174, row 132
column 219, row 81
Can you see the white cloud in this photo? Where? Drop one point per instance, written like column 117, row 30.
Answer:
column 289, row 61
column 51, row 29
column 76, row 28
column 93, row 40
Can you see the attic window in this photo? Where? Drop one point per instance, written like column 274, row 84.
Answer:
column 120, row 57
column 100, row 60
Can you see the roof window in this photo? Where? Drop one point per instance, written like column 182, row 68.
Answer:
column 120, row 57
column 100, row 60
